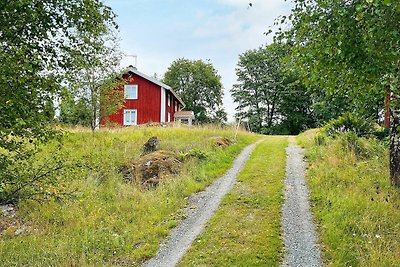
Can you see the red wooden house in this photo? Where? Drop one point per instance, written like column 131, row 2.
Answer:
column 146, row 100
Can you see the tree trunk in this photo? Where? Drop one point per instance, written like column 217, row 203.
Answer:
column 386, row 123
column 395, row 151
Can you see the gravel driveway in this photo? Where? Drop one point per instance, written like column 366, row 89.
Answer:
column 301, row 247
column 201, row 208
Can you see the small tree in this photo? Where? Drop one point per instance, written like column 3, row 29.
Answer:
column 200, row 87
column 94, row 83
column 40, row 41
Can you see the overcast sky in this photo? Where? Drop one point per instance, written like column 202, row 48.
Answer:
column 160, row 31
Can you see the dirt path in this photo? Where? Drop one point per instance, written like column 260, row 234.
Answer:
column 201, row 208
column 301, row 247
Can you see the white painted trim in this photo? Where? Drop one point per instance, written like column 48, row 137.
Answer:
column 162, row 107
column 136, row 90
column 135, row 117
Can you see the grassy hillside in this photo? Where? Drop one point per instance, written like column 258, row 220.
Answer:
column 107, row 221
column 357, row 211
column 246, row 229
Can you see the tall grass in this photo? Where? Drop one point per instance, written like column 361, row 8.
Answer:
column 357, row 210
column 109, row 222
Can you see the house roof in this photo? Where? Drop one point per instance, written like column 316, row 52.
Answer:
column 155, row 81
column 184, row 114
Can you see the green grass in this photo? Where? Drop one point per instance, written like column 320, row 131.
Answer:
column 246, row 229
column 110, row 222
column 357, row 211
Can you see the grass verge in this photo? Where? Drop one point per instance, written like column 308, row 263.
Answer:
column 110, row 222
column 357, row 211
column 245, row 231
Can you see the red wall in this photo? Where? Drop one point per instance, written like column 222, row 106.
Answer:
column 171, row 108
column 148, row 104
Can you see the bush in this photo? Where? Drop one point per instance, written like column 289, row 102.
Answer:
column 26, row 174
column 349, row 122
column 194, row 153
column 362, row 147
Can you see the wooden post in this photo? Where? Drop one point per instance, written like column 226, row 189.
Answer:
column 386, row 123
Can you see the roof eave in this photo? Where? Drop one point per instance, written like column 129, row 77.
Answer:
column 159, row 83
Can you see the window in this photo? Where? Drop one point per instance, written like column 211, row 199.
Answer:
column 169, row 117
column 169, row 100
column 131, row 91
column 130, row 117
column 176, row 106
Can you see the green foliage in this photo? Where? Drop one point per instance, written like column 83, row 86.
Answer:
column 356, row 208
column 350, row 122
column 73, row 112
column 350, row 49
column 194, row 153
column 347, row 51
column 93, row 84
column 246, row 229
column 35, row 58
column 29, row 176
column 111, row 222
column 40, row 43
column 200, row 87
column 269, row 95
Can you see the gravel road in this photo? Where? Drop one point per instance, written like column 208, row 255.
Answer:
column 201, row 207
column 301, row 247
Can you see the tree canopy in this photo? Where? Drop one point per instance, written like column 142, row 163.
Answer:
column 347, row 47
column 200, row 87
column 41, row 41
column 269, row 96
column 350, row 49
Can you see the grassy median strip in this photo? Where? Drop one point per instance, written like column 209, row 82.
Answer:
column 246, row 230
column 357, row 211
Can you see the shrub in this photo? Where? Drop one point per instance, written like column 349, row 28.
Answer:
column 349, row 122
column 194, row 153
column 28, row 175
column 362, row 147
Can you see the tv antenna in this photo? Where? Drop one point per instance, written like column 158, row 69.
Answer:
column 134, row 59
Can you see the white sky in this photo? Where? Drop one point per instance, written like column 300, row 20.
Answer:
column 160, row 31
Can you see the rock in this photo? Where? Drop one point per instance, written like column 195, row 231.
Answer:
column 151, row 145
column 151, row 168
column 8, row 210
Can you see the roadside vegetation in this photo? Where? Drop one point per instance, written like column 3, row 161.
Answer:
column 245, row 231
column 104, row 220
column 356, row 208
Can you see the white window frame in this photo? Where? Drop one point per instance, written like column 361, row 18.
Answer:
column 176, row 106
column 169, row 100
column 131, row 122
column 133, row 87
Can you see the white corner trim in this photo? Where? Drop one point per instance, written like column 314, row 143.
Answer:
column 162, row 107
